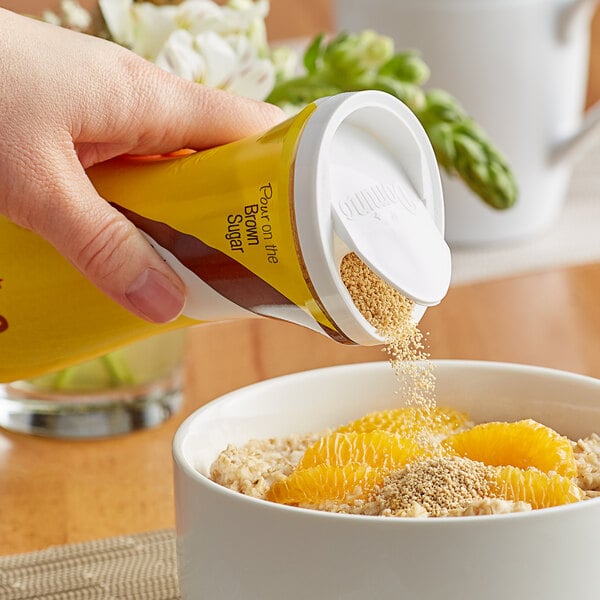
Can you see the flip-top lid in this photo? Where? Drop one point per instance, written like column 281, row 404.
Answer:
column 367, row 181
column 378, row 214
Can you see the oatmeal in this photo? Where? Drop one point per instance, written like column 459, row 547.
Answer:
column 434, row 482
column 417, row 461
column 587, row 457
column 253, row 468
column 490, row 506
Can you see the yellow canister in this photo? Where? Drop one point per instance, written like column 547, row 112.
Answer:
column 255, row 227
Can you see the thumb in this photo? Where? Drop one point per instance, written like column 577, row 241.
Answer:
column 103, row 245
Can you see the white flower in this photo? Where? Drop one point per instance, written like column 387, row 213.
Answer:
column 75, row 16
column 227, row 62
column 219, row 46
column 145, row 27
column 255, row 76
column 286, row 62
column 71, row 15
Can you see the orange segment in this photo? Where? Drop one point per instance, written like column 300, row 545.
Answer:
column 521, row 444
column 376, row 449
column 409, row 422
column 324, row 483
column 539, row 489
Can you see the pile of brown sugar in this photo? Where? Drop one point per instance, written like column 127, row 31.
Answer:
column 436, row 487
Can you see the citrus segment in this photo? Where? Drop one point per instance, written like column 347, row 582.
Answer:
column 325, row 483
column 376, row 449
column 409, row 422
column 535, row 487
column 521, row 444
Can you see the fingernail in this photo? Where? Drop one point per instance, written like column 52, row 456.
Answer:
column 155, row 297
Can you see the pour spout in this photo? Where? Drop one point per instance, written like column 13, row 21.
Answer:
column 381, row 214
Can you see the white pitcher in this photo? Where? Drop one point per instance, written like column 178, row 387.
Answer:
column 519, row 67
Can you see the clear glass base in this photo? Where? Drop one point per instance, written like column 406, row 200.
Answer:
column 135, row 387
column 75, row 415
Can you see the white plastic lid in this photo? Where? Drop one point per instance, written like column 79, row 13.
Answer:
column 367, row 181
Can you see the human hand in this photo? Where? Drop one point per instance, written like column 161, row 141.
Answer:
column 69, row 101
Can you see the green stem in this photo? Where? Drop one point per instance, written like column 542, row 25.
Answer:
column 119, row 371
column 63, row 378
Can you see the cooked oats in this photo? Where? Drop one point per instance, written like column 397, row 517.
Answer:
column 254, row 467
column 490, row 506
column 436, row 486
column 587, row 457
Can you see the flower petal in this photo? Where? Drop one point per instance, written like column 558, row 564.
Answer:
column 179, row 56
column 220, row 58
column 117, row 16
column 152, row 26
column 254, row 80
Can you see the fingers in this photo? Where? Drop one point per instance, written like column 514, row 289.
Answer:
column 204, row 117
column 103, row 245
column 75, row 93
column 160, row 112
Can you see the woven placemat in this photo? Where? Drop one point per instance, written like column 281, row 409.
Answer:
column 135, row 567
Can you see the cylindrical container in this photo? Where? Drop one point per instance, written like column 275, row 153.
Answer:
column 255, row 227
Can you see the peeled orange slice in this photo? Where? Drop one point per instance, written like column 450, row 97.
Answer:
column 323, row 483
column 376, row 449
column 521, row 444
column 535, row 487
column 409, row 422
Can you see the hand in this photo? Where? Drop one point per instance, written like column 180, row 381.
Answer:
column 69, row 101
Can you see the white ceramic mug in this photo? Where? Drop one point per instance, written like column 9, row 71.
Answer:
column 519, row 67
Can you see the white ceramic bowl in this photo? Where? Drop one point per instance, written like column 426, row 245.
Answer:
column 234, row 547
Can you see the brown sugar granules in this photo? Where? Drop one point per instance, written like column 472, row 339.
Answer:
column 390, row 313
column 435, row 486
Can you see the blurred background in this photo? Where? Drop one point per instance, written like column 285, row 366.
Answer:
column 292, row 16
column 304, row 17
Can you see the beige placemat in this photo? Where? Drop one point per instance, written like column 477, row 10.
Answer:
column 136, row 567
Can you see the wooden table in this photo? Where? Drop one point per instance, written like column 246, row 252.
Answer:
column 54, row 492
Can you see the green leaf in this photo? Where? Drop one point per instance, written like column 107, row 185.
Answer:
column 313, row 54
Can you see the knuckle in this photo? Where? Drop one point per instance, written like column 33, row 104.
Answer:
column 154, row 101
column 140, row 89
column 25, row 194
column 105, row 253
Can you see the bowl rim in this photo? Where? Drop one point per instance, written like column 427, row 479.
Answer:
column 199, row 478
